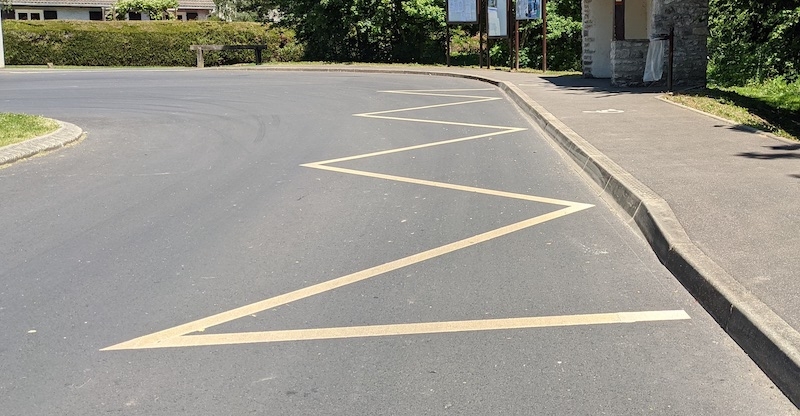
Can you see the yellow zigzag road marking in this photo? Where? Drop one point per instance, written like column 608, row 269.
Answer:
column 179, row 336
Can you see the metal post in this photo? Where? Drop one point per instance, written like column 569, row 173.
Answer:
column 516, row 44
column 671, row 56
column 480, row 33
column 544, row 35
column 447, row 58
column 488, row 53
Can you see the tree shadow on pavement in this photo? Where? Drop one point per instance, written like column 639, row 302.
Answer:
column 788, row 151
column 598, row 85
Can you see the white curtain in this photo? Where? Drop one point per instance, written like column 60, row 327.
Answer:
column 654, row 65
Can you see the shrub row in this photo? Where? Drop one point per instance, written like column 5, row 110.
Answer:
column 146, row 43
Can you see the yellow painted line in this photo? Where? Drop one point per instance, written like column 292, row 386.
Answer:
column 446, row 185
column 415, row 147
column 426, row 107
column 177, row 336
column 438, row 90
column 434, row 93
column 420, row 328
column 446, row 123
column 148, row 341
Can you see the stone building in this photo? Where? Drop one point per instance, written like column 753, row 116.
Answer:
column 618, row 33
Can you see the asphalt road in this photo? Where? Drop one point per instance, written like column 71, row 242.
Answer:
column 235, row 242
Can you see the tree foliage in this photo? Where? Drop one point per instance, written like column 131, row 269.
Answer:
column 156, row 9
column 753, row 40
column 563, row 39
column 368, row 30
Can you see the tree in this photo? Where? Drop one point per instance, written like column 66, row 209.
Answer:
column 368, row 30
column 156, row 9
column 753, row 40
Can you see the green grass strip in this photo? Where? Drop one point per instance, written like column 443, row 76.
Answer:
column 15, row 128
column 772, row 106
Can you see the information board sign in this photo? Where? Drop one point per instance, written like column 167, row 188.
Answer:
column 462, row 11
column 497, row 15
column 529, row 9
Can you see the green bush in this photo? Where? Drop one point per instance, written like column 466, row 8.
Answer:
column 163, row 43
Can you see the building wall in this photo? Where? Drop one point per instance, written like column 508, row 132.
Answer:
column 645, row 19
column 73, row 13
column 628, row 59
column 598, row 25
column 82, row 13
column 690, row 20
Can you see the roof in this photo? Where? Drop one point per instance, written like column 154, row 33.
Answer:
column 182, row 4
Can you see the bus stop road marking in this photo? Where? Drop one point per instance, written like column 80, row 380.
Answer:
column 179, row 336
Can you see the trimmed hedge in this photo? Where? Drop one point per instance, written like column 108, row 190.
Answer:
column 146, row 43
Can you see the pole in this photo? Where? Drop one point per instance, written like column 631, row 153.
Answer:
column 488, row 53
column 516, row 44
column 544, row 35
column 2, row 51
column 447, row 58
column 671, row 57
column 480, row 33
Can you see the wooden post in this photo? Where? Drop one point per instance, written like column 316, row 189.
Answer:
column 200, row 62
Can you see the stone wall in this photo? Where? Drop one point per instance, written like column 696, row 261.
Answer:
column 597, row 32
column 601, row 59
column 627, row 62
column 690, row 20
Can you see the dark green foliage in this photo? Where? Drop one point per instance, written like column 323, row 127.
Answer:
column 139, row 43
column 369, row 30
column 563, row 39
column 156, row 9
column 753, row 40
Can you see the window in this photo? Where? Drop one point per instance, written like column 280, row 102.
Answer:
column 95, row 15
column 50, row 15
column 28, row 14
column 134, row 16
column 7, row 14
column 191, row 16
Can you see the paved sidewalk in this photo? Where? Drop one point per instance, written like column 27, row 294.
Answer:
column 735, row 193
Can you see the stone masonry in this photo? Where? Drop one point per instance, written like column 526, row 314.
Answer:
column 689, row 18
column 627, row 62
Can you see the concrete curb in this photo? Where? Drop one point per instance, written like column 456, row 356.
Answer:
column 65, row 135
column 769, row 341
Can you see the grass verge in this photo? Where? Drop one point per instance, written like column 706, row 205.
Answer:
column 773, row 106
column 15, row 128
